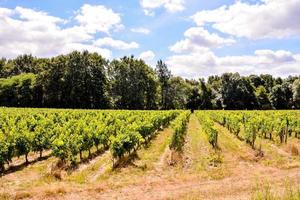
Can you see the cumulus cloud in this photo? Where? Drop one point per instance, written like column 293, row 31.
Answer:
column 267, row 19
column 170, row 5
column 140, row 30
column 195, row 65
column 198, row 39
column 147, row 56
column 27, row 31
column 98, row 18
column 116, row 44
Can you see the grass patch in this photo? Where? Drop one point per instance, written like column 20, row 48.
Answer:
column 84, row 175
column 55, row 192
column 5, row 196
column 276, row 156
column 266, row 192
column 22, row 195
column 232, row 144
column 206, row 161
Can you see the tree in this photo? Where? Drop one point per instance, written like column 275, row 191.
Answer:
column 87, row 80
column 164, row 76
column 18, row 91
column 85, row 85
column 269, row 82
column 194, row 99
column 215, row 83
column 262, row 98
column 256, row 80
column 77, row 80
column 133, row 84
column 288, row 91
column 54, row 82
column 237, row 92
column 296, row 93
column 22, row 64
column 178, row 92
column 205, row 96
column 2, row 65
column 277, row 97
column 278, row 81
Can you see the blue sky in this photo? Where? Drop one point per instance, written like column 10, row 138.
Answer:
column 196, row 38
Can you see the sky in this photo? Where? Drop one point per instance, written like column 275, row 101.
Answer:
column 196, row 38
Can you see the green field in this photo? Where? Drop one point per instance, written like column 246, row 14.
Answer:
column 176, row 154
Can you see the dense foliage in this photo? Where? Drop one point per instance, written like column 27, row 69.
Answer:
column 87, row 80
column 69, row 133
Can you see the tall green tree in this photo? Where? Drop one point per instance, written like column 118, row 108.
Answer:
column 76, row 80
column 164, row 75
column 178, row 92
column 194, row 99
column 54, row 82
column 237, row 92
column 215, row 83
column 296, row 93
column 256, row 80
column 133, row 84
column 269, row 81
column 18, row 91
column 85, row 80
column 263, row 98
column 278, row 98
column 22, row 64
column 288, row 92
column 2, row 65
column 205, row 96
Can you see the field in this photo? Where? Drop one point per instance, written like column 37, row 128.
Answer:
column 119, row 154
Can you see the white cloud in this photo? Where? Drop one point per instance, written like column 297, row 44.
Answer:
column 267, row 19
column 98, row 18
column 140, row 30
column 195, row 65
column 170, row 5
column 147, row 56
column 116, row 44
column 27, row 31
column 278, row 56
column 198, row 39
column 5, row 12
column 36, row 16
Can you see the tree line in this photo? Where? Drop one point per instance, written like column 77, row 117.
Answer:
column 89, row 81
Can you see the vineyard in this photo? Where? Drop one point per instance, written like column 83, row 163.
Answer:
column 69, row 133
column 59, row 153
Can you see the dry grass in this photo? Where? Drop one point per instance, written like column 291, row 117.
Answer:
column 54, row 192
column 23, row 195
column 294, row 151
column 5, row 196
column 268, row 191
